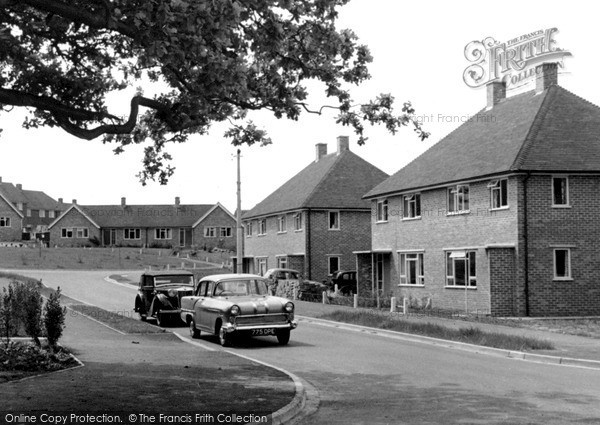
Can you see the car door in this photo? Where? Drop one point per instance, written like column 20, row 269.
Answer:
column 205, row 316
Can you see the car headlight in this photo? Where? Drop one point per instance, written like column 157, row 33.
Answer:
column 172, row 292
column 235, row 310
column 289, row 307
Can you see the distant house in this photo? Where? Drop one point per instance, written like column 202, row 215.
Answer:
column 501, row 216
column 315, row 220
column 177, row 225
column 38, row 209
column 11, row 221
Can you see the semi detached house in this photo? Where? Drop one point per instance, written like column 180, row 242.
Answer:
column 500, row 216
column 315, row 220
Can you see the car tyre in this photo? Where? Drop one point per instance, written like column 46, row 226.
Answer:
column 283, row 336
column 224, row 338
column 161, row 319
column 194, row 332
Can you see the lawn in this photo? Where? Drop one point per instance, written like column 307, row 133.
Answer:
column 105, row 258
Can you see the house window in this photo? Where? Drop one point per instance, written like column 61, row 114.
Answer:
column 20, row 206
column 28, row 212
column 298, row 221
column 210, row 232
column 458, row 199
column 281, row 224
column 498, row 194
column 334, row 220
column 132, row 233
column 42, row 213
column 4, row 221
column 225, row 232
column 562, row 264
column 81, row 232
column 249, row 229
column 461, row 268
column 51, row 214
column 163, row 233
column 560, row 191
column 412, row 206
column 282, row 262
column 412, row 271
column 66, row 232
column 262, row 226
column 333, row 264
column 261, row 266
column 382, row 210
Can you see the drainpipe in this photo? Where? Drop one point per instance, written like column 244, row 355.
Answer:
column 526, row 243
column 308, row 264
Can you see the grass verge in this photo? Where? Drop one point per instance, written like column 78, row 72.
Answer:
column 469, row 335
column 117, row 320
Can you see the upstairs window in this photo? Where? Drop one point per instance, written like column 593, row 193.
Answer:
column 249, row 229
column 382, row 210
column 262, row 227
column 560, row 191
column 42, row 213
column 458, row 199
column 281, row 224
column 412, row 206
column 334, row 220
column 298, row 221
column 498, row 194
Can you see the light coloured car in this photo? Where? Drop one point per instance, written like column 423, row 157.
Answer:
column 228, row 305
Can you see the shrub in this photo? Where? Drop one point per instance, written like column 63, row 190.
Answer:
column 285, row 288
column 32, row 313
column 7, row 321
column 54, row 318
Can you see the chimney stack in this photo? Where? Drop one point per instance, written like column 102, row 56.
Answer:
column 343, row 144
column 60, row 200
column 123, row 202
column 74, row 201
column 19, row 186
column 177, row 201
column 0, row 179
column 546, row 75
column 496, row 92
column 321, row 150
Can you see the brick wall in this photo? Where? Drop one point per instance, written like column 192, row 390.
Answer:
column 73, row 219
column 502, row 263
column 217, row 218
column 577, row 228
column 436, row 231
column 13, row 232
column 354, row 235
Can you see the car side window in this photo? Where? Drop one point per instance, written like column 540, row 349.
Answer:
column 148, row 281
column 201, row 291
column 211, row 287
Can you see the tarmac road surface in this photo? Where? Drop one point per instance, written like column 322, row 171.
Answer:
column 364, row 378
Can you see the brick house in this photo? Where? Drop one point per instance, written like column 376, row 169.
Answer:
column 177, row 225
column 11, row 221
column 500, row 216
column 38, row 209
column 315, row 220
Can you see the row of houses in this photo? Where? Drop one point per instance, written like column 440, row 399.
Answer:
column 501, row 216
column 28, row 214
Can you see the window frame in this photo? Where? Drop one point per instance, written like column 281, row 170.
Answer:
column 418, row 259
column 66, row 233
column 282, row 262
column 225, row 232
column 282, row 224
column 158, row 233
column 336, row 224
column 5, row 221
column 249, row 229
column 339, row 262
column 298, row 222
column 382, row 210
column 470, row 266
column 454, row 193
column 567, row 197
column 210, row 231
column 262, row 227
column 569, row 274
column 137, row 234
column 82, row 232
column 496, row 192
column 411, row 202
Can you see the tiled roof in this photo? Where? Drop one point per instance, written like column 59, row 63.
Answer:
column 551, row 131
column 35, row 199
column 336, row 181
column 145, row 215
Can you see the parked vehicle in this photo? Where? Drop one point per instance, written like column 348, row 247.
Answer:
column 160, row 293
column 345, row 281
column 229, row 305
column 312, row 291
column 274, row 276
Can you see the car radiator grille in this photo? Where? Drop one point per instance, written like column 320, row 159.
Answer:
column 260, row 319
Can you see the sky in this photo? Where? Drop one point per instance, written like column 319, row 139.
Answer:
column 418, row 50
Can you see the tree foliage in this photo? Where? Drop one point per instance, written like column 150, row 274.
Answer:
column 215, row 60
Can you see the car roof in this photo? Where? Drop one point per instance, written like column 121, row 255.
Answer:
column 229, row 276
column 168, row 273
column 282, row 270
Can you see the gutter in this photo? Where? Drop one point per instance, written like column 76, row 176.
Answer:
column 307, row 251
column 526, row 244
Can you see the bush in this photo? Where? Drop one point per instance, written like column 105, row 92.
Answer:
column 285, row 288
column 54, row 318
column 7, row 317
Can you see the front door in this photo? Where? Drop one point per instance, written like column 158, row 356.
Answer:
column 379, row 272
column 109, row 237
column 181, row 237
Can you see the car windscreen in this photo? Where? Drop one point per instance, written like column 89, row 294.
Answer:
column 174, row 280
column 241, row 287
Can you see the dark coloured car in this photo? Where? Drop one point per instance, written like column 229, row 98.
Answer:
column 345, row 281
column 160, row 292
column 312, row 291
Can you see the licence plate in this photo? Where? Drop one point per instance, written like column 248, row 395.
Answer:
column 269, row 331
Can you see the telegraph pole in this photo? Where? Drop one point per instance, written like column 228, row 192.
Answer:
column 240, row 228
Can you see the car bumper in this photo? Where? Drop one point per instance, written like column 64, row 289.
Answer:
column 231, row 327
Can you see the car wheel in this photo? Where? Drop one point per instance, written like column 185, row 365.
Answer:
column 161, row 319
column 283, row 336
column 224, row 338
column 194, row 333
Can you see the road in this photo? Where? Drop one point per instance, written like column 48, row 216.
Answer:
column 363, row 378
